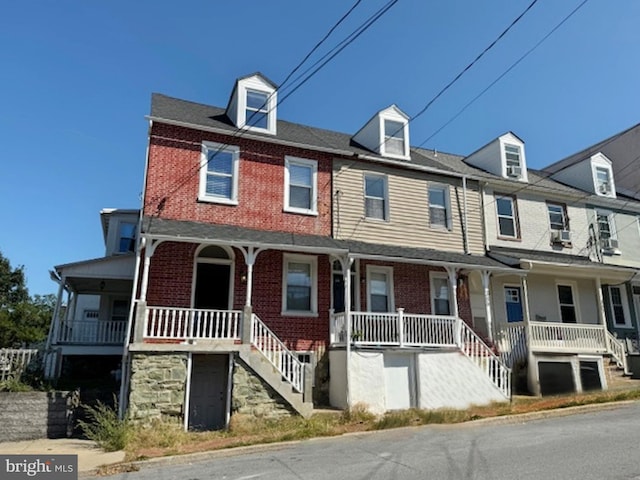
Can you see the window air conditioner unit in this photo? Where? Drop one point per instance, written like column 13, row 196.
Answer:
column 603, row 187
column 609, row 243
column 561, row 236
column 514, row 171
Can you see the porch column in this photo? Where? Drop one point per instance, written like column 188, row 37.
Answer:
column 486, row 283
column 55, row 318
column 250, row 254
column 346, row 263
column 453, row 283
column 600, row 302
column 525, row 299
column 148, row 252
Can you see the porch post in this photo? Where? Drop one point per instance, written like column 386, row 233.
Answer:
column 453, row 284
column 145, row 272
column 400, row 326
column 525, row 299
column 346, row 264
column 601, row 312
column 250, row 254
column 486, row 276
column 533, row 379
column 55, row 320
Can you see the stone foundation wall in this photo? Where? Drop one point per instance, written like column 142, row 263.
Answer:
column 252, row 396
column 157, row 388
column 32, row 415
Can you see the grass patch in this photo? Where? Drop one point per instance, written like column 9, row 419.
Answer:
column 161, row 438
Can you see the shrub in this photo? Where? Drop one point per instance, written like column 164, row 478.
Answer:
column 105, row 427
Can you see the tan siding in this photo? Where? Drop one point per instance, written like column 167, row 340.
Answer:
column 408, row 223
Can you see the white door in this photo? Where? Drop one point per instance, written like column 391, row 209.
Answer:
column 398, row 380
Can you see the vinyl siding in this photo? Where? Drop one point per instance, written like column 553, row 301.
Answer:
column 408, row 219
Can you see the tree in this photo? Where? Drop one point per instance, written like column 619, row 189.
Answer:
column 24, row 320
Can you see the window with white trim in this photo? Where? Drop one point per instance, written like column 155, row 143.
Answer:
column 300, row 184
column 617, row 301
column 605, row 224
column 603, row 181
column 394, row 138
column 507, row 219
column 300, row 285
column 375, row 197
column 557, row 216
column 257, row 111
column 439, row 207
column 126, row 237
column 513, row 161
column 440, row 293
column 380, row 289
column 219, row 173
column 566, row 302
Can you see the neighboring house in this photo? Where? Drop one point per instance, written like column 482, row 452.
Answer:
column 88, row 328
column 613, row 222
column 282, row 264
column 550, row 313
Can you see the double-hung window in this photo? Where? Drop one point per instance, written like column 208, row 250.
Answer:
column 605, row 224
column 507, row 218
column 513, row 161
column 439, row 211
column 380, row 289
column 300, row 180
column 618, row 299
column 257, row 111
column 440, row 294
column 603, row 181
column 219, row 173
column 394, row 142
column 557, row 216
column 375, row 197
column 300, row 285
column 126, row 237
column 566, row 302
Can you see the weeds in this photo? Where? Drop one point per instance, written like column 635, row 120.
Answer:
column 105, row 427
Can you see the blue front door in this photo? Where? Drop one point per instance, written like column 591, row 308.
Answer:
column 513, row 301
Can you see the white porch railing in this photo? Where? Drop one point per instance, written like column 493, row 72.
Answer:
column 14, row 361
column 277, row 353
column 512, row 344
column 478, row 351
column 92, row 332
column 568, row 337
column 191, row 323
column 618, row 352
column 370, row 328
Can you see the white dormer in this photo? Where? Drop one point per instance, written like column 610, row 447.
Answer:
column 592, row 174
column 387, row 133
column 253, row 103
column 503, row 156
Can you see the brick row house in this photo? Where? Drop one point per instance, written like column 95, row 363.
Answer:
column 280, row 266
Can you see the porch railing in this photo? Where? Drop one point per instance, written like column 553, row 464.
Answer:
column 191, row 323
column 618, row 352
column 568, row 337
column 478, row 351
column 370, row 328
column 285, row 361
column 512, row 344
column 92, row 332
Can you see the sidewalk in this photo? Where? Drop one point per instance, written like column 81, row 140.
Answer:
column 90, row 456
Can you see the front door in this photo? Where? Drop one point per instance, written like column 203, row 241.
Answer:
column 208, row 392
column 513, row 302
column 212, row 286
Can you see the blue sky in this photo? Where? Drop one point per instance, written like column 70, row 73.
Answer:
column 76, row 79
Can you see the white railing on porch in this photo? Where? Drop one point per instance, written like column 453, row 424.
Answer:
column 402, row 329
column 618, row 352
column 478, row 351
column 285, row 361
column 92, row 332
column 191, row 323
column 568, row 337
column 13, row 361
column 512, row 344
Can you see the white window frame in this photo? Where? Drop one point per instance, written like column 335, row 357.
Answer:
column 609, row 180
column 385, row 197
column 388, row 272
column 355, row 275
column 312, row 261
column 270, row 109
column 513, row 217
column 565, row 220
column 610, row 220
column 432, row 291
column 574, row 296
column 447, row 205
column 625, row 307
column 385, row 138
column 203, row 196
column 307, row 163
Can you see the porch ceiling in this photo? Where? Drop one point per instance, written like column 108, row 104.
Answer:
column 100, row 286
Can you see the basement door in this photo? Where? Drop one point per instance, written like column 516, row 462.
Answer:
column 399, row 381
column 208, row 392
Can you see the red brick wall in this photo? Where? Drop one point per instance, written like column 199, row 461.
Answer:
column 173, row 172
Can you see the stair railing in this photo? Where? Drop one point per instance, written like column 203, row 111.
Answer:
column 618, row 352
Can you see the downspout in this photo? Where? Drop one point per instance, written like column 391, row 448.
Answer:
column 465, row 235
column 124, row 366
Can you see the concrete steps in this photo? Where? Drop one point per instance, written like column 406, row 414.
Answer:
column 616, row 379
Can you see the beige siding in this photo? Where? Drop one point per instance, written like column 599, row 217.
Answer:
column 408, row 222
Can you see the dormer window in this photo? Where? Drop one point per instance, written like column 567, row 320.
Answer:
column 603, row 181
column 513, row 162
column 394, row 138
column 257, row 109
column 253, row 103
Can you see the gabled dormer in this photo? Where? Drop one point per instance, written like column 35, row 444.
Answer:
column 119, row 228
column 503, row 157
column 253, row 103
column 592, row 174
column 386, row 134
